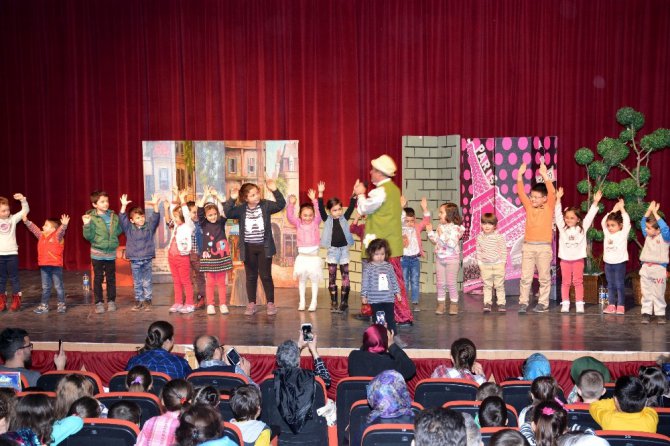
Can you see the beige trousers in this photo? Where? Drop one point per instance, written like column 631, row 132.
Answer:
column 493, row 276
column 652, row 282
column 533, row 256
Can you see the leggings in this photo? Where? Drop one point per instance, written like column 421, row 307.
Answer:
column 447, row 279
column 332, row 277
column 255, row 264
column 217, row 280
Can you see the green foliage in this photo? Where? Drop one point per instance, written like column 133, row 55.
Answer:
column 613, row 151
column 628, row 187
column 585, row 206
column 636, row 211
column 629, row 117
column 598, row 169
column 656, row 140
column 594, row 265
column 594, row 234
column 610, row 190
column 644, row 174
column 584, row 156
column 626, row 135
column 583, row 187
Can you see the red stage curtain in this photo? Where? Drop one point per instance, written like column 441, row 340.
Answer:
column 83, row 83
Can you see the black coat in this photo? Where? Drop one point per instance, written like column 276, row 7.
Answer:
column 364, row 363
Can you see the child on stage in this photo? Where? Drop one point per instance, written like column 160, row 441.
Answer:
column 616, row 226
column 179, row 254
column 379, row 286
column 9, row 252
column 654, row 258
column 492, row 257
column 413, row 249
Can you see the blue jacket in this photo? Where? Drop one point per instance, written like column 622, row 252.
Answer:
column 327, row 234
column 140, row 241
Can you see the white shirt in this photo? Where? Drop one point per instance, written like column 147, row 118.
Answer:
column 374, row 200
column 615, row 246
column 572, row 241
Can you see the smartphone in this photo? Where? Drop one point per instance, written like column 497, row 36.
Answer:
column 307, row 334
column 233, row 357
column 380, row 318
column 60, row 345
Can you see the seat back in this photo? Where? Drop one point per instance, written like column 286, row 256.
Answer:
column 149, row 403
column 51, row 395
column 225, row 382
column 472, row 408
column 225, row 410
column 104, row 432
column 609, row 391
column 488, row 432
column 663, row 420
column 349, row 390
column 117, row 382
column 388, row 435
column 233, row 432
column 579, row 414
column 49, row 380
column 517, row 393
column 358, row 417
column 628, row 438
column 434, row 392
column 315, row 431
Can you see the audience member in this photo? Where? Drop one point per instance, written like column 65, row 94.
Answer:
column 201, row 425
column 655, row 385
column 626, row 411
column 549, row 422
column 439, row 426
column 139, row 379
column 211, row 356
column 534, row 366
column 508, row 437
column 160, row 430
column 543, row 388
column 16, row 351
column 209, row 395
column 580, row 439
column 156, row 356
column 493, row 412
column 34, row 420
column 379, row 352
column 472, row 432
column 7, row 402
column 246, row 405
column 69, row 389
column 590, row 386
column 582, row 364
column 463, row 356
column 125, row 410
column 488, row 389
column 85, row 407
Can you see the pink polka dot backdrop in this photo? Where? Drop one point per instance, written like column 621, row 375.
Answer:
column 489, row 168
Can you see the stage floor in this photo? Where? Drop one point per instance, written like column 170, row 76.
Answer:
column 560, row 335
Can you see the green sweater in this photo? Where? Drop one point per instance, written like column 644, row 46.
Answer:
column 386, row 222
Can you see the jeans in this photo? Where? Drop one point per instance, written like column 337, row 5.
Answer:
column 411, row 272
column 52, row 276
column 141, row 270
column 9, row 269
column 104, row 269
column 615, row 274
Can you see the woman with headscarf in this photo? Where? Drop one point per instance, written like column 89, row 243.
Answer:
column 379, row 353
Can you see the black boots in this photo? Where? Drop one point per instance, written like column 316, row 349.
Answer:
column 333, row 300
column 344, row 302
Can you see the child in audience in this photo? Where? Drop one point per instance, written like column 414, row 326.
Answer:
column 654, row 258
column 33, row 423
column 179, row 252
column 9, row 252
column 125, row 410
column 197, row 276
column 616, row 226
column 627, row 411
column 655, row 385
column 7, row 403
column 463, row 356
column 336, row 238
column 209, row 395
column 534, row 366
column 543, row 388
column 590, row 386
column 245, row 403
column 139, row 379
column 85, row 407
column 492, row 257
column 508, row 437
column 579, row 366
column 256, row 244
column 201, row 425
column 69, row 389
column 488, row 389
column 447, row 241
column 572, row 248
column 379, row 286
column 308, row 264
column 140, row 248
column 413, row 249
column 50, row 248
column 160, row 430
column 102, row 230
column 492, row 412
column 550, row 421
column 537, row 250
column 215, row 259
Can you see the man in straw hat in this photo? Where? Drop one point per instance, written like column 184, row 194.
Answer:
column 383, row 210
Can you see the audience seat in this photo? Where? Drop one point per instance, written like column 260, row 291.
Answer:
column 349, row 390
column 472, row 407
column 149, row 403
column 360, row 411
column 434, row 392
column 233, row 432
column 388, row 435
column 663, row 420
column 104, row 432
column 517, row 393
column 315, row 432
column 117, row 382
column 579, row 414
column 224, row 408
column 225, row 382
column 51, row 395
column 630, row 438
column 609, row 391
column 487, row 433
column 49, row 380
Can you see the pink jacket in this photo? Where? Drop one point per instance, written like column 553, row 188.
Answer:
column 307, row 235
column 418, row 227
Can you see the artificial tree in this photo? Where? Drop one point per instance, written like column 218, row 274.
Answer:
column 614, row 153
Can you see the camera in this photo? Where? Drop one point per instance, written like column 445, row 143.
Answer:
column 307, row 334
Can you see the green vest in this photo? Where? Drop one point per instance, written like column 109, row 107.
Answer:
column 385, row 222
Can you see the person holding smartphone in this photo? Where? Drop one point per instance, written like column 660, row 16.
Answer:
column 16, row 351
column 379, row 352
column 214, row 357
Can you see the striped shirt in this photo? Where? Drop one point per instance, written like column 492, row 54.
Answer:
column 491, row 248
column 379, row 283
column 254, row 228
column 160, row 430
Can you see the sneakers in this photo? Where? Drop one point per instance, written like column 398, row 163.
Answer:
column 415, row 307
column 111, row 306
column 3, row 302
column 487, row 308
column 100, row 307
column 620, row 309
column 148, row 305
column 539, row 308
column 61, row 307
column 16, row 302
column 502, row 309
column 660, row 320
column 139, row 306
column 271, row 309
column 41, row 309
column 186, row 309
column 565, row 306
column 611, row 309
column 579, row 306
column 251, row 309
column 223, row 308
column 646, row 318
column 211, row 309
column 441, row 308
column 453, row 308
column 200, row 302
column 523, row 309
column 312, row 307
column 175, row 308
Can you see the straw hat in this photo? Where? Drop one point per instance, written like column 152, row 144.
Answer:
column 385, row 165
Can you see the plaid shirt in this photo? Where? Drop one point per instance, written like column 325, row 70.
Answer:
column 160, row 360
